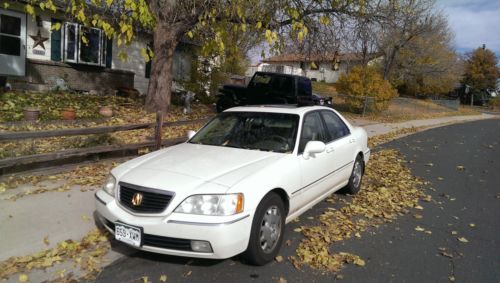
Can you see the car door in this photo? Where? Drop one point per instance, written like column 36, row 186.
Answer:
column 317, row 169
column 340, row 146
column 12, row 43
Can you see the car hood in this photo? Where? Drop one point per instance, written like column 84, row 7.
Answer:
column 189, row 167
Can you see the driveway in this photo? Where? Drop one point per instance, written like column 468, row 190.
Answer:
column 461, row 161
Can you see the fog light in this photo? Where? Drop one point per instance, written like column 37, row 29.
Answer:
column 201, row 246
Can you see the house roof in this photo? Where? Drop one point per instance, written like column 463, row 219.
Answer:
column 327, row 57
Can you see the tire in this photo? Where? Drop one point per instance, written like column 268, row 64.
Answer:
column 224, row 103
column 356, row 177
column 263, row 249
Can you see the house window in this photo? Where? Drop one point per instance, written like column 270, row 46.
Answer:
column 10, row 32
column 84, row 45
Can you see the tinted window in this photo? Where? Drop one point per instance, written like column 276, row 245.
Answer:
column 283, row 84
column 304, row 86
column 312, row 130
column 260, row 131
column 335, row 126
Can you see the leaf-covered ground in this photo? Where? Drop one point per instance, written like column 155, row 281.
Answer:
column 389, row 190
column 126, row 111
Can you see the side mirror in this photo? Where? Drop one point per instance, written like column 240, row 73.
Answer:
column 190, row 134
column 313, row 147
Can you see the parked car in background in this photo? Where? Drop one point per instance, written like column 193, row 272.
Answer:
column 232, row 186
column 270, row 88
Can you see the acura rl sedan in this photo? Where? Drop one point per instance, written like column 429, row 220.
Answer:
column 233, row 186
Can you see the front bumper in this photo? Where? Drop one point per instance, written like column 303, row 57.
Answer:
column 172, row 234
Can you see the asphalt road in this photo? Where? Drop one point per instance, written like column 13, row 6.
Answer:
column 466, row 203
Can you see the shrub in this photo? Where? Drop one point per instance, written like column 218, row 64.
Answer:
column 363, row 82
column 494, row 102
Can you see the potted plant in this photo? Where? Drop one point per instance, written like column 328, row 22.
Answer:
column 68, row 113
column 31, row 113
column 106, row 111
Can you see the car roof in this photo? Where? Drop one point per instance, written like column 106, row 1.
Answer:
column 279, row 108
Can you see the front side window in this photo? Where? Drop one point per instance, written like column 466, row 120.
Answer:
column 335, row 126
column 312, row 130
column 274, row 132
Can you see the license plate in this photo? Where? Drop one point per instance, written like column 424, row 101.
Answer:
column 128, row 234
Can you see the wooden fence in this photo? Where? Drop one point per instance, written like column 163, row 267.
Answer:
column 29, row 161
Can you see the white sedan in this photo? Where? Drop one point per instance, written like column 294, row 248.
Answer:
column 232, row 186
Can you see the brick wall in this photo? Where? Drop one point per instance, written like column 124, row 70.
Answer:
column 77, row 76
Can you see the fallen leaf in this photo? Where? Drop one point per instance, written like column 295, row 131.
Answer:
column 472, row 225
column 359, row 262
column 460, row 168
column 297, row 230
column 85, row 218
column 288, row 242
column 279, row 258
column 187, row 274
column 451, row 278
column 454, row 232
column 282, row 280
column 46, row 240
column 446, row 254
column 463, row 240
column 357, row 235
column 418, row 216
column 23, row 278
column 163, row 278
column 440, row 178
column 145, row 279
column 429, row 164
column 420, row 229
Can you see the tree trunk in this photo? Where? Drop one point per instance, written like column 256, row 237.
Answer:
column 389, row 61
column 160, row 82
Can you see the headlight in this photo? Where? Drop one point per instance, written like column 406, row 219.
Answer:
column 109, row 185
column 212, row 204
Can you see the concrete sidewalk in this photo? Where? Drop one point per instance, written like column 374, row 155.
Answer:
column 69, row 215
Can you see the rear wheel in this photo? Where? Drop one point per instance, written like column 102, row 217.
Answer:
column 356, row 177
column 267, row 232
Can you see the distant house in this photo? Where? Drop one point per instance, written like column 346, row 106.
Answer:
column 33, row 55
column 324, row 67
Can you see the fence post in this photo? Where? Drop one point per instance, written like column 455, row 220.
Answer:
column 364, row 106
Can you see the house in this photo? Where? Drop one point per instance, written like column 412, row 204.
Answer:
column 317, row 67
column 33, row 55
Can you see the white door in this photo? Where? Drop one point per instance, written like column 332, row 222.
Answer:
column 316, row 171
column 12, row 43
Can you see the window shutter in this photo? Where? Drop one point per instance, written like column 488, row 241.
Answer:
column 109, row 53
column 55, row 43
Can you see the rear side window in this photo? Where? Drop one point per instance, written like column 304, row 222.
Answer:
column 312, row 130
column 305, row 87
column 335, row 126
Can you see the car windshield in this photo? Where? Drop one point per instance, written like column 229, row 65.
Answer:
column 275, row 132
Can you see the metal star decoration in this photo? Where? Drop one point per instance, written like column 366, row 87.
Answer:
column 39, row 40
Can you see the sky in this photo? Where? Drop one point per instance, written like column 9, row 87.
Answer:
column 474, row 23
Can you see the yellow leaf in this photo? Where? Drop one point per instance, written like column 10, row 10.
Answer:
column 279, row 258
column 190, row 34
column 463, row 240
column 55, row 26
column 46, row 240
column 420, row 229
column 297, row 230
column 359, row 262
column 472, row 225
column 460, row 168
column 145, row 279
column 163, row 278
column 23, row 278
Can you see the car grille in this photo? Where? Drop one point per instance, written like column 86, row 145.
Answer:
column 153, row 201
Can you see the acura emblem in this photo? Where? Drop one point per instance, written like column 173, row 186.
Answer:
column 137, row 199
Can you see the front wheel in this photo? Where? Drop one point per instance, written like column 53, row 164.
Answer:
column 268, row 228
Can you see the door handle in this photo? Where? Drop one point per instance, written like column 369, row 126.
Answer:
column 330, row 149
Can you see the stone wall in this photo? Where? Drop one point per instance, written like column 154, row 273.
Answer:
column 77, row 76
